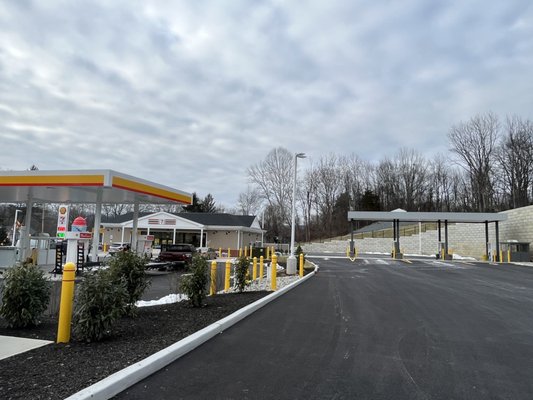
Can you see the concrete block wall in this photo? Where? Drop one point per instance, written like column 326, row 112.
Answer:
column 463, row 239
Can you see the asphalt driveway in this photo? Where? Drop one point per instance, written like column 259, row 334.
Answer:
column 372, row 329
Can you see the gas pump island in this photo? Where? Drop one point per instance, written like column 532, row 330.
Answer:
column 78, row 241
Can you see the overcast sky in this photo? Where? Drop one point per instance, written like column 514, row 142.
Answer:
column 191, row 93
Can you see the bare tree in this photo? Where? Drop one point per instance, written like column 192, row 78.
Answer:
column 514, row 155
column 411, row 169
column 329, row 186
column 250, row 201
column 274, row 179
column 307, row 196
column 474, row 144
column 114, row 210
column 387, row 185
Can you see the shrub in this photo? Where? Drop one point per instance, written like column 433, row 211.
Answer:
column 299, row 251
column 100, row 302
column 194, row 285
column 131, row 268
column 241, row 273
column 25, row 297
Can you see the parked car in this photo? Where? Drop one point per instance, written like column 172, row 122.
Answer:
column 207, row 252
column 117, row 246
column 177, row 254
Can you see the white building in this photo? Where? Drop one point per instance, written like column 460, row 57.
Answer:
column 213, row 230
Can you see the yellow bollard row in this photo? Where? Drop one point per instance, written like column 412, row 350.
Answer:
column 213, row 289
column 65, row 307
column 274, row 272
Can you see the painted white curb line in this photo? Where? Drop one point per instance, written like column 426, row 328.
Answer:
column 123, row 379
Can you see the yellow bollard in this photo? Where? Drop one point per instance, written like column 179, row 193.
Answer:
column 240, row 252
column 347, row 252
column 261, row 270
column 274, row 272
column 301, row 265
column 501, row 256
column 220, row 252
column 250, row 250
column 509, row 255
column 254, row 269
column 65, row 307
column 213, row 289
column 105, row 247
column 246, row 251
column 226, row 276
column 229, row 252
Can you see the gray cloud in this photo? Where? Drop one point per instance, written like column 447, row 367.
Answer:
column 190, row 94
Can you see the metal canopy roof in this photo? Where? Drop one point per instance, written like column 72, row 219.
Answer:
column 82, row 186
column 426, row 216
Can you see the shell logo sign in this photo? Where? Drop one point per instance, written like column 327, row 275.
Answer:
column 62, row 221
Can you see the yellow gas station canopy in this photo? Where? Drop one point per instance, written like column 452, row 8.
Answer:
column 82, row 186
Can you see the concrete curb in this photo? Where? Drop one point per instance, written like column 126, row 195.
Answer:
column 123, row 379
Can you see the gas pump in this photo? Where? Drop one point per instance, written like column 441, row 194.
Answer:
column 144, row 245
column 78, row 240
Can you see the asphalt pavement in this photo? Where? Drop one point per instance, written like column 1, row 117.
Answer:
column 371, row 329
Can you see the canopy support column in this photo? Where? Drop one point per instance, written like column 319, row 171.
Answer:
column 445, row 239
column 135, row 225
column 497, row 241
column 25, row 238
column 352, row 249
column 487, row 240
column 97, row 221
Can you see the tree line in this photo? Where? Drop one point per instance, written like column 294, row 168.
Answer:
column 487, row 169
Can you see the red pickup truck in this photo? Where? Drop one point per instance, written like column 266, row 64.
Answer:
column 178, row 254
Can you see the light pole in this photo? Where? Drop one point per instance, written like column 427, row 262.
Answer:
column 15, row 227
column 291, row 261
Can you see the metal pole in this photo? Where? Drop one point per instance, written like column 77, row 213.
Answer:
column 15, row 227
column 487, row 240
column 293, row 217
column 445, row 238
column 497, row 242
column 291, row 260
column 97, row 221
column 351, row 241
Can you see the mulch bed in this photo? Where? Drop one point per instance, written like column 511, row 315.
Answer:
column 57, row 371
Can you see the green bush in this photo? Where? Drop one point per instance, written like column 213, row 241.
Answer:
column 100, row 302
column 297, row 253
column 25, row 297
column 131, row 268
column 194, row 285
column 241, row 273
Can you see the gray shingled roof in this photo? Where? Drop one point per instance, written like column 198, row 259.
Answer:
column 213, row 219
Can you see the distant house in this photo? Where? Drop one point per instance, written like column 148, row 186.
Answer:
column 200, row 229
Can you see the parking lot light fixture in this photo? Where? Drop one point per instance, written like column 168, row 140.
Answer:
column 291, row 261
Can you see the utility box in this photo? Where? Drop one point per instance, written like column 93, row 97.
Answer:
column 515, row 251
